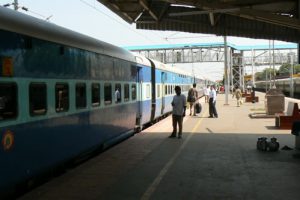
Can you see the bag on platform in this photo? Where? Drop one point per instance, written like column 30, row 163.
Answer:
column 198, row 108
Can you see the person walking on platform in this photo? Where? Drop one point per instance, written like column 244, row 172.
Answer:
column 178, row 113
column 233, row 91
column 192, row 98
column 212, row 102
column 238, row 95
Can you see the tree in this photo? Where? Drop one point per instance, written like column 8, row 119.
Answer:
column 296, row 69
column 284, row 69
column 267, row 73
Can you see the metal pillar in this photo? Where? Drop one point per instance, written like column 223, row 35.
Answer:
column 231, row 70
column 298, row 53
column 273, row 72
column 298, row 45
column 291, row 58
column 242, row 79
column 253, row 65
column 237, row 70
column 226, row 70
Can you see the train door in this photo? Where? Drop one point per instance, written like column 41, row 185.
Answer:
column 163, row 79
column 153, row 87
column 139, row 81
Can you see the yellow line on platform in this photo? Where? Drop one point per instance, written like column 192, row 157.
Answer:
column 151, row 189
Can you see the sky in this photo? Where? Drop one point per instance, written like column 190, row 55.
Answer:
column 91, row 18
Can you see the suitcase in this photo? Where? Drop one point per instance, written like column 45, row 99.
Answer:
column 198, row 107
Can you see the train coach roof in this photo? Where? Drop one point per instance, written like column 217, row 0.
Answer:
column 20, row 23
column 169, row 68
column 140, row 59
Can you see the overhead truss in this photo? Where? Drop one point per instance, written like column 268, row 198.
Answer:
column 265, row 19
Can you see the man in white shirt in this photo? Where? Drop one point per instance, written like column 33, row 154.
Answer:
column 212, row 102
column 179, row 107
column 206, row 93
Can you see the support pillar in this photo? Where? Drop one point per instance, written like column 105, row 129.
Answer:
column 226, row 78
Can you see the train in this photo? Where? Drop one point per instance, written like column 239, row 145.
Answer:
column 282, row 84
column 64, row 95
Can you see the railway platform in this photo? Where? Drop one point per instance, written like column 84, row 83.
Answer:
column 216, row 159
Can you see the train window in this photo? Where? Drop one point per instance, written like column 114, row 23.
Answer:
column 148, row 91
column 61, row 97
column 158, row 91
column 126, row 92
column 107, row 93
column 37, row 99
column 8, row 101
column 95, row 94
column 80, row 95
column 166, row 89
column 118, row 92
column 61, row 50
column 27, row 42
column 133, row 92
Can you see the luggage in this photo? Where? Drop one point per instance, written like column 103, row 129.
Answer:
column 198, row 108
column 263, row 145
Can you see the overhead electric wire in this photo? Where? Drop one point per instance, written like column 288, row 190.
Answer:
column 28, row 10
column 133, row 30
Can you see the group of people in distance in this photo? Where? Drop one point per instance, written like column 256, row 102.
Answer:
column 179, row 106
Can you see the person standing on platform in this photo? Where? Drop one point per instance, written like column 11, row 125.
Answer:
column 238, row 95
column 206, row 94
column 178, row 113
column 192, row 98
column 212, row 102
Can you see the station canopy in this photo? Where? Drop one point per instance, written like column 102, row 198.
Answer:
column 261, row 19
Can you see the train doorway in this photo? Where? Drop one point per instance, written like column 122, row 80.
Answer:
column 163, row 92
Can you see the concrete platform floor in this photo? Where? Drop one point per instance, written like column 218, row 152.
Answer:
column 215, row 160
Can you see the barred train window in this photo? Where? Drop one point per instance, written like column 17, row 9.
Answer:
column 133, row 92
column 61, row 97
column 8, row 101
column 118, row 92
column 95, row 94
column 37, row 99
column 80, row 95
column 107, row 93
column 166, row 89
column 126, row 92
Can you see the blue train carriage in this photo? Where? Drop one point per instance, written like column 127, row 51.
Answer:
column 57, row 96
column 166, row 78
column 144, row 90
column 157, row 82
